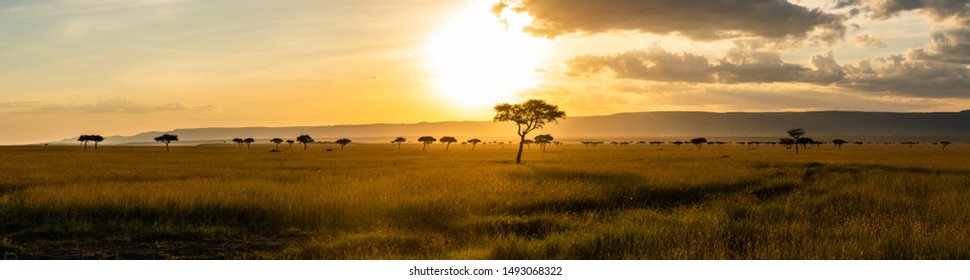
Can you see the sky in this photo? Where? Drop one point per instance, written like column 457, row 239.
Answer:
column 121, row 67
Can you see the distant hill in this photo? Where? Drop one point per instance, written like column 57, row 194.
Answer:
column 625, row 125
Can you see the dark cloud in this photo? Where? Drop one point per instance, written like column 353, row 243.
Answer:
column 898, row 76
column 894, row 76
column 119, row 105
column 696, row 19
column 885, row 9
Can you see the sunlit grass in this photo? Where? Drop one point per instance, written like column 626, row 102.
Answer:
column 377, row 202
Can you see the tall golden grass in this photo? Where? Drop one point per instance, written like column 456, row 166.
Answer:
column 374, row 201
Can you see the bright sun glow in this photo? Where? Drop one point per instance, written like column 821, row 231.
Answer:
column 476, row 60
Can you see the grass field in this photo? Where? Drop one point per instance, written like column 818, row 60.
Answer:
column 373, row 201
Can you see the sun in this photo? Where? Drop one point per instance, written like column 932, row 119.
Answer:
column 476, row 59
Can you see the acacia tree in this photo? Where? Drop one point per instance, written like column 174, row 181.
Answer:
column 167, row 138
column 92, row 138
column 304, row 139
column 945, row 143
column 238, row 141
column 528, row 116
column 426, row 140
column 277, row 141
column 290, row 142
column 543, row 140
column 698, row 142
column 343, row 142
column 797, row 135
column 399, row 140
column 448, row 140
column 838, row 143
column 248, row 142
column 474, row 142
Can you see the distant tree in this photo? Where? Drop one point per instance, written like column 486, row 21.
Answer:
column 677, row 143
column 945, row 143
column 804, row 142
column 249, row 141
column 304, row 139
column 543, row 140
column 399, row 140
column 92, row 138
column 448, row 140
column 290, row 142
column 474, row 141
column 238, row 141
column 528, row 142
column 796, row 134
column 787, row 142
column 342, row 142
column 641, row 142
column 698, row 141
column 528, row 116
column 277, row 141
column 857, row 143
column 426, row 140
column 838, row 143
column 167, row 138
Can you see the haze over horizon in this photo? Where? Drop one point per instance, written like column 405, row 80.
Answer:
column 114, row 67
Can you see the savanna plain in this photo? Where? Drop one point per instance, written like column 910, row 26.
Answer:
column 374, row 201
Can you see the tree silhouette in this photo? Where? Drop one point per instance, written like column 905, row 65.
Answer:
column 426, row 140
column 945, row 143
column 474, row 142
column 698, row 142
column 797, row 135
column 528, row 142
column 838, row 143
column 304, row 139
column 543, row 140
column 448, row 140
column 92, row 138
column 277, row 141
column 399, row 140
column 290, row 142
column 343, row 142
column 528, row 116
column 248, row 142
column 238, row 141
column 167, row 138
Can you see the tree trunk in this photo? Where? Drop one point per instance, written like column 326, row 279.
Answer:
column 95, row 145
column 796, row 146
column 425, row 147
column 304, row 146
column 398, row 145
column 85, row 145
column 166, row 146
column 518, row 157
column 447, row 145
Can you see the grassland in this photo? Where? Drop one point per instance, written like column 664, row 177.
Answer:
column 374, row 201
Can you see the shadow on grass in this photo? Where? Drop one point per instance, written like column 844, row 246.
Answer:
column 626, row 191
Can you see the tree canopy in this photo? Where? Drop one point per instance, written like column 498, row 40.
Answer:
column 343, row 142
column 527, row 116
column 448, row 140
column 426, row 140
column 304, row 139
column 167, row 138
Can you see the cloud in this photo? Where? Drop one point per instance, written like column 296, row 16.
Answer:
column 885, row 9
column 695, row 19
column 897, row 76
column 744, row 64
column 653, row 64
column 119, row 105
column 869, row 41
column 950, row 45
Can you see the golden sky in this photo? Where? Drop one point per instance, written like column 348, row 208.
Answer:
column 120, row 67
